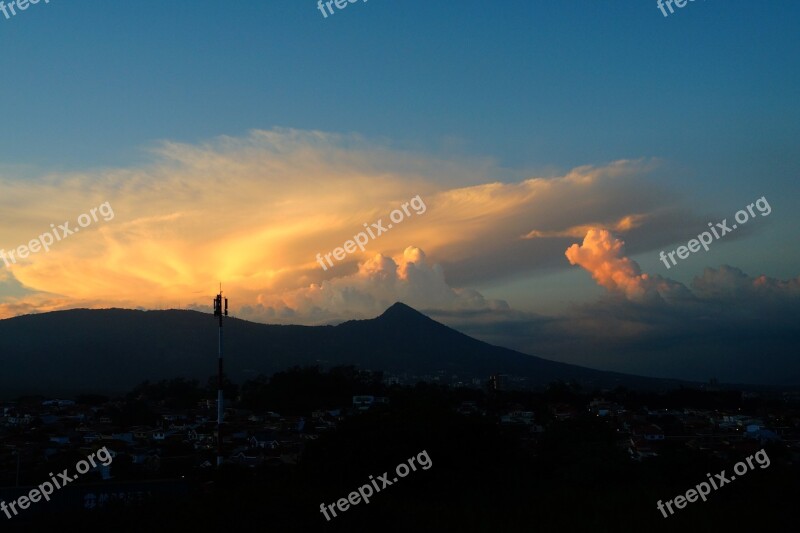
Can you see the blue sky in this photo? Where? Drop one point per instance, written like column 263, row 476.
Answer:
column 532, row 84
column 707, row 97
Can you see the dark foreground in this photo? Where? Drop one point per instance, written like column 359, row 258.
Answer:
column 560, row 460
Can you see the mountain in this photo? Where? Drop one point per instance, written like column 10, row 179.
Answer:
column 111, row 350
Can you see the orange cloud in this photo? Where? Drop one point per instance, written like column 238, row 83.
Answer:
column 603, row 256
column 253, row 212
column 378, row 282
column 626, row 223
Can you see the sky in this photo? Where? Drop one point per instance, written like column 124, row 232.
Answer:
column 553, row 149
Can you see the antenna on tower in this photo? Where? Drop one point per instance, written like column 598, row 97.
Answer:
column 220, row 311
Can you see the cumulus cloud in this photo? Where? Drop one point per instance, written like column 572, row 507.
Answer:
column 602, row 255
column 379, row 282
column 729, row 284
column 730, row 326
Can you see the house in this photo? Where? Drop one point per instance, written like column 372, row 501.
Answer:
column 142, row 432
column 363, row 402
column 323, row 425
column 264, row 440
column 58, row 403
column 650, row 432
column 762, row 435
column 517, row 418
column 563, row 411
column 468, row 408
column 20, row 420
column 124, row 437
column 248, row 458
column 49, row 419
column 641, row 449
column 142, row 456
column 200, row 434
column 90, row 437
column 601, row 407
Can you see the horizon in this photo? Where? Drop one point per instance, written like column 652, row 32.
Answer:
column 647, row 382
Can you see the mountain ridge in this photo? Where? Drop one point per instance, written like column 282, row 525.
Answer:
column 111, row 350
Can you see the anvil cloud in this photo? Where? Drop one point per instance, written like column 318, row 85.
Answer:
column 254, row 211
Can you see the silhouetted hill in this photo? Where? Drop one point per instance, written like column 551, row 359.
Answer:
column 112, row 350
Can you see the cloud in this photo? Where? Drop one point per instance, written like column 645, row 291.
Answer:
column 624, row 224
column 730, row 326
column 602, row 255
column 729, row 284
column 253, row 212
column 379, row 282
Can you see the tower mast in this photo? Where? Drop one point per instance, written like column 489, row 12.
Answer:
column 220, row 312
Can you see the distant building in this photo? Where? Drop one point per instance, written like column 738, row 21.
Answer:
column 364, row 402
column 498, row 382
column 58, row 403
column 649, row 432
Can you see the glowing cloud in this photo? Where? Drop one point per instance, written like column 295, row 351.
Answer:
column 253, row 212
column 602, row 255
